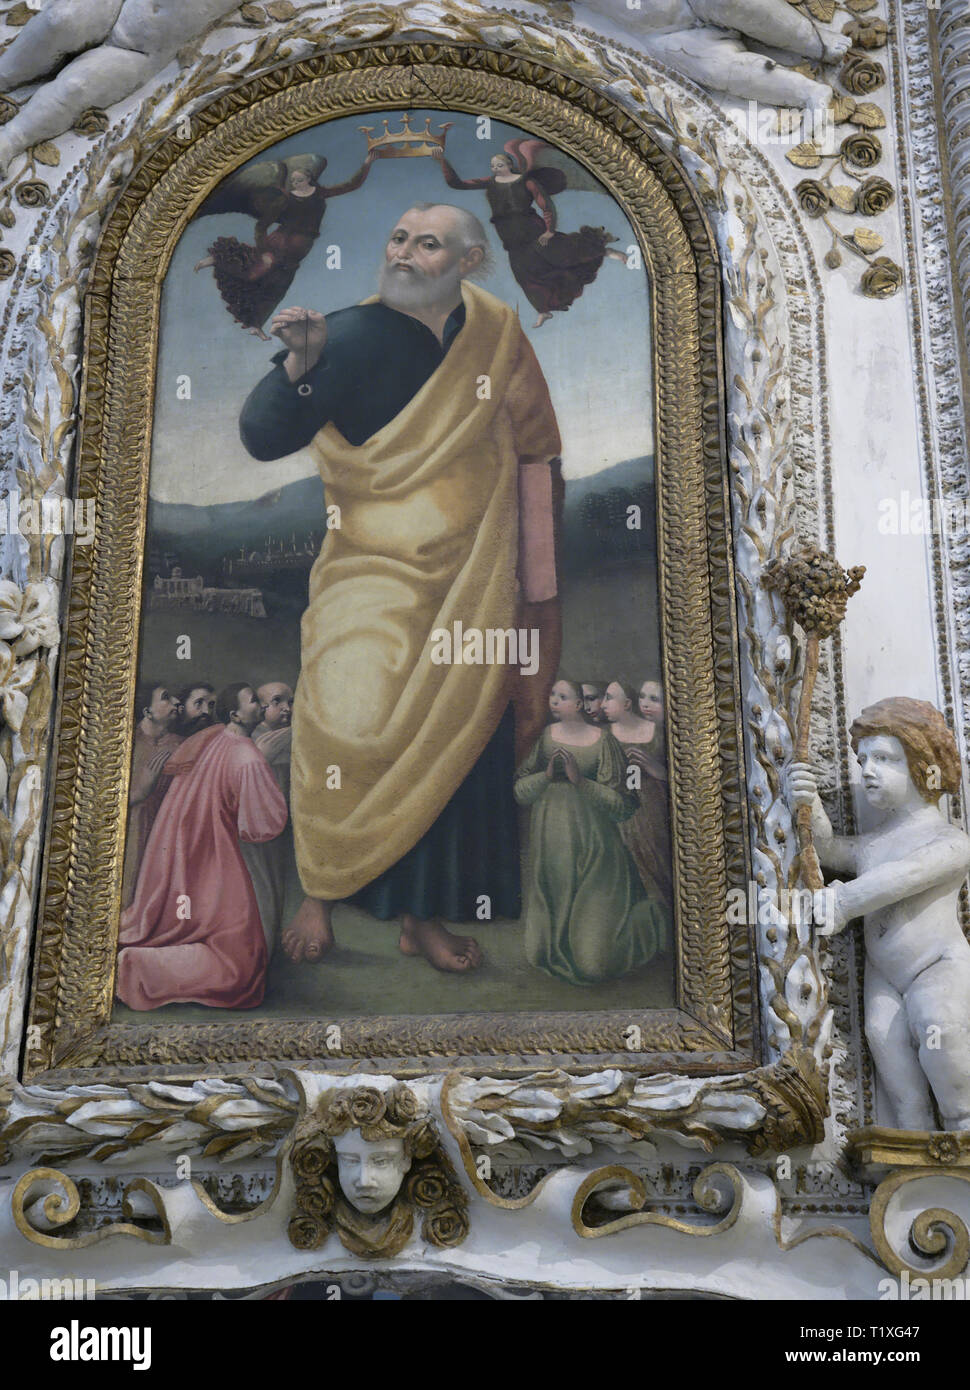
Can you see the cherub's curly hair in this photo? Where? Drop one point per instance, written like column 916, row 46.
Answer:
column 927, row 742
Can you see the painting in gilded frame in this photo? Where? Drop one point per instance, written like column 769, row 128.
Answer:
column 399, row 749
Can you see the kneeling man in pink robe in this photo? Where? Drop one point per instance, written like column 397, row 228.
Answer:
column 193, row 933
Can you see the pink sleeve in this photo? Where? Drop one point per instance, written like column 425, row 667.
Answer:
column 537, row 444
column 537, row 539
column 262, row 813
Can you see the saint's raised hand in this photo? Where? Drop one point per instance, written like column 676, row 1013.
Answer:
column 301, row 330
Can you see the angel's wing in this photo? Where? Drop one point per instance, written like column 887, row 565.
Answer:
column 553, row 169
column 250, row 190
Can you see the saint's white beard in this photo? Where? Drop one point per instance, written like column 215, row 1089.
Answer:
column 416, row 289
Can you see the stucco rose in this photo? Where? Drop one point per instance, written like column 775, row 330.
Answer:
column 311, row 1160
column 427, row 1189
column 316, row 1202
column 366, row 1106
column 882, row 279
column 91, row 122
column 306, row 1234
column 813, row 198
column 863, row 149
column 402, row 1105
column 34, row 193
column 860, row 76
column 875, row 196
column 446, row 1227
column 423, row 1140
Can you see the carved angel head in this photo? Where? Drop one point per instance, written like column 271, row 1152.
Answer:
column 365, row 1160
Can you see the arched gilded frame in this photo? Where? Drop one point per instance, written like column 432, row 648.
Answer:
column 713, row 1027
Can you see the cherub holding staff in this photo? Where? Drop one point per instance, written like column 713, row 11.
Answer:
column 909, row 870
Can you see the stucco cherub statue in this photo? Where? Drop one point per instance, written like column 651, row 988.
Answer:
column 112, row 48
column 97, row 52
column 704, row 40
column 365, row 1162
column 908, row 875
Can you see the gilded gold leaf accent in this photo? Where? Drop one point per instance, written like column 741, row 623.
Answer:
column 822, row 10
column 18, row 15
column 280, row 9
column 46, row 153
column 807, row 155
column 867, row 240
column 842, row 107
column 843, row 197
column 868, row 114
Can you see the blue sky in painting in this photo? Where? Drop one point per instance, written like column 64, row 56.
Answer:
column 596, row 357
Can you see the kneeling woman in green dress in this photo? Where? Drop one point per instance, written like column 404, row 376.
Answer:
column 587, row 916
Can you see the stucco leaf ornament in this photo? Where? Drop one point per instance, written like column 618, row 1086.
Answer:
column 16, row 678
column 27, row 617
column 27, row 622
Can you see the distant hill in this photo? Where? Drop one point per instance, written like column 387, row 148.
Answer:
column 198, row 538
column 596, row 522
column 296, row 509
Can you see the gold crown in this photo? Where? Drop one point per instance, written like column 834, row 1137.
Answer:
column 407, row 143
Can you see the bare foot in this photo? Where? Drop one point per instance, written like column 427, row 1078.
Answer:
column 616, row 256
column 440, row 947
column 309, row 936
column 835, row 47
column 541, row 320
column 258, row 333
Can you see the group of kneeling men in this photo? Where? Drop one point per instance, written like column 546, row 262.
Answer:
column 208, row 844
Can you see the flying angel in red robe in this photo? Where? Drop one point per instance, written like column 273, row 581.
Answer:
column 288, row 203
column 552, row 267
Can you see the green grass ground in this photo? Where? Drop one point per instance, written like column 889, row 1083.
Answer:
column 366, row 974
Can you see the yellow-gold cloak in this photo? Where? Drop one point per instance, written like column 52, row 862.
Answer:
column 428, row 535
